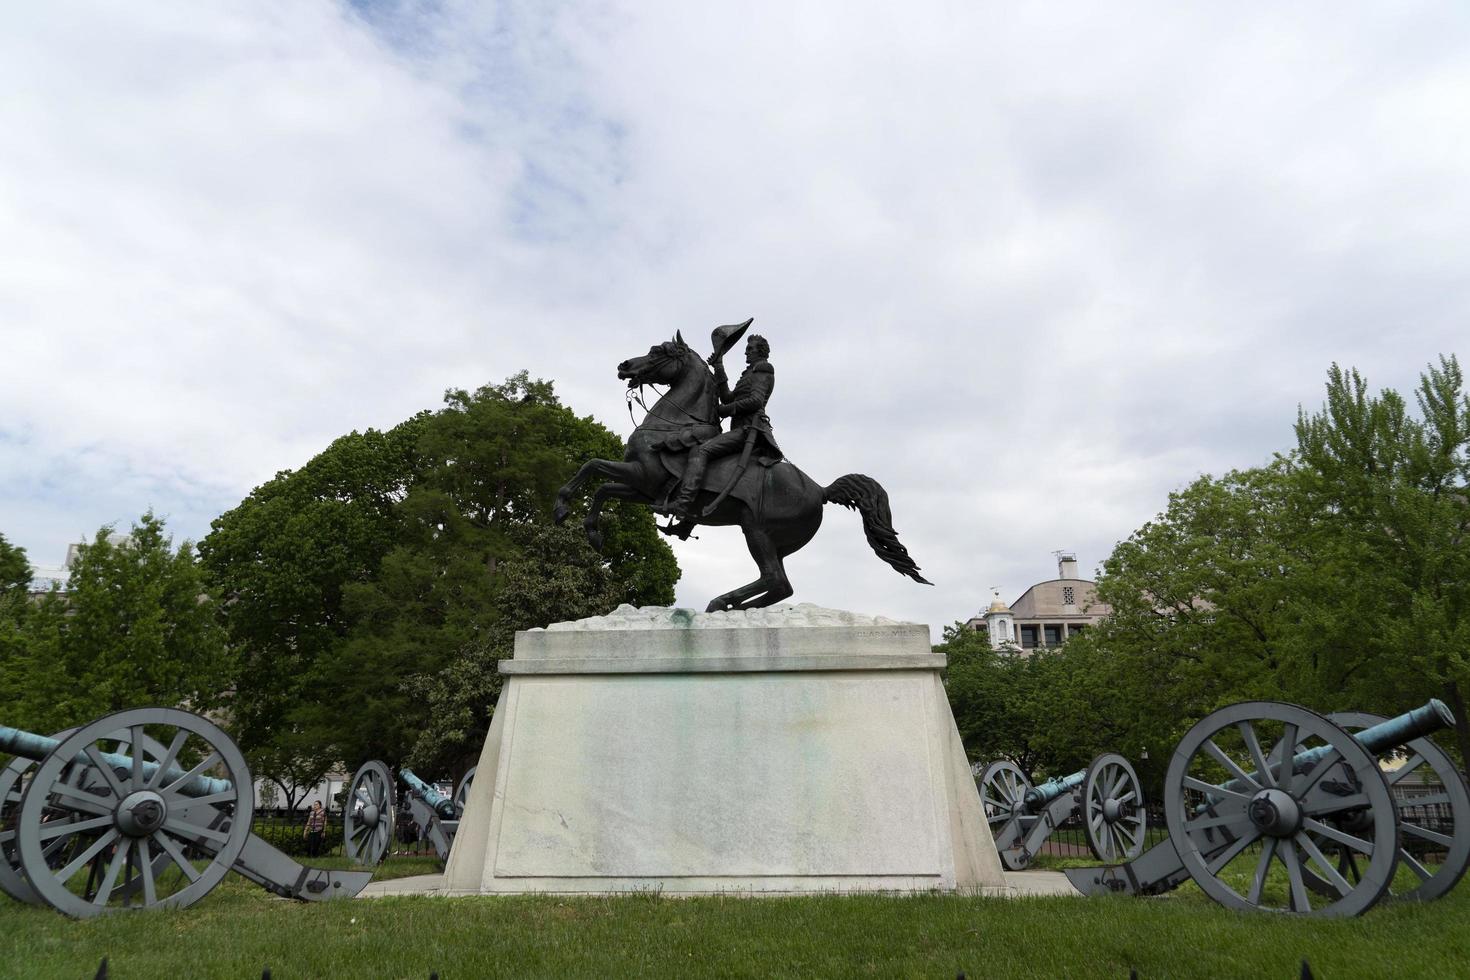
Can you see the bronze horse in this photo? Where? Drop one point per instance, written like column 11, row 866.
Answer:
column 776, row 505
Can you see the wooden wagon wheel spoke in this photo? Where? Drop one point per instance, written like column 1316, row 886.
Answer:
column 1263, row 867
column 167, row 760
column 175, row 789
column 172, row 849
column 104, row 892
column 1253, row 746
column 1315, row 855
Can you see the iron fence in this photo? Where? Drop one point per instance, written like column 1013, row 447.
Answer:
column 286, row 831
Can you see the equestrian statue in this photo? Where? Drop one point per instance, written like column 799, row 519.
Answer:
column 682, row 463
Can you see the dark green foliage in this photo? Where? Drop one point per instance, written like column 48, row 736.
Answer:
column 372, row 591
column 15, row 569
column 133, row 628
column 996, row 697
column 1390, row 499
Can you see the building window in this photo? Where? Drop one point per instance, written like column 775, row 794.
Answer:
column 1069, row 596
column 1028, row 637
column 1074, row 628
column 1053, row 635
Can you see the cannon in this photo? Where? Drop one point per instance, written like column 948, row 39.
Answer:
column 130, row 798
column 1106, row 795
column 371, row 805
column 1272, row 806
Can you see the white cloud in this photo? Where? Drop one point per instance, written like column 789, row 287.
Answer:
column 1031, row 268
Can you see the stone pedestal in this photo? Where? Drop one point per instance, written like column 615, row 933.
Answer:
column 786, row 750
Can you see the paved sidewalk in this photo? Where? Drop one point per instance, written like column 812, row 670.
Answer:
column 416, row 885
column 1019, row 884
column 1028, row 883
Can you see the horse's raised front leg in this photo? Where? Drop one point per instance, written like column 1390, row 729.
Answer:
column 609, row 491
column 613, row 469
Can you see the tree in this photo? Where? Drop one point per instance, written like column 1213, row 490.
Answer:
column 15, row 576
column 1389, row 495
column 133, row 628
column 426, row 531
column 15, row 569
column 996, row 697
column 280, row 562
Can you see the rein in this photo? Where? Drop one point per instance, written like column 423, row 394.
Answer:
column 637, row 396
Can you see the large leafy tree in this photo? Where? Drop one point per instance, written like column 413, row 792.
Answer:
column 997, row 697
column 371, row 592
column 133, row 627
column 1389, row 495
column 279, row 564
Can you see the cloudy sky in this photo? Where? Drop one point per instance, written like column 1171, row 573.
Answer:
column 1030, row 266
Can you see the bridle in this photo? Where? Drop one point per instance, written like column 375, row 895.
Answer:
column 662, row 357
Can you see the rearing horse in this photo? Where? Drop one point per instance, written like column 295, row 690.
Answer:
column 777, row 506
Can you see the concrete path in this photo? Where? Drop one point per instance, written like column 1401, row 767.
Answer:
column 1028, row 883
column 1021, row 884
column 415, row 885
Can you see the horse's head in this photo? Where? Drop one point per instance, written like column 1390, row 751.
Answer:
column 663, row 364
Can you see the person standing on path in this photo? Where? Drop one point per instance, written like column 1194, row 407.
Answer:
column 316, row 826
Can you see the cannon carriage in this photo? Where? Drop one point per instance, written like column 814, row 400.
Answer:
column 136, row 801
column 372, row 805
column 1271, row 806
column 1107, row 796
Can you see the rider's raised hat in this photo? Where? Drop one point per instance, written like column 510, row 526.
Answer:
column 723, row 338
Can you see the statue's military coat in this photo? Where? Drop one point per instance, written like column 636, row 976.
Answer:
column 746, row 404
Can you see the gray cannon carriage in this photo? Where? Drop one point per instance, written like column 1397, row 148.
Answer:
column 369, row 813
column 1344, row 821
column 129, row 799
column 1106, row 795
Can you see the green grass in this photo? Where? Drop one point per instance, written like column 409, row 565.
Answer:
column 238, row 929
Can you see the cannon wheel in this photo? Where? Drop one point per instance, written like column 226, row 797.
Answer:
column 1112, row 809
column 1284, row 810
column 462, row 792
column 131, row 819
column 12, row 881
column 1413, row 821
column 1003, row 786
column 12, row 790
column 367, row 816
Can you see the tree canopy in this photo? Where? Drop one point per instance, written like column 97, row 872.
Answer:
column 1337, row 576
column 132, row 628
column 369, row 593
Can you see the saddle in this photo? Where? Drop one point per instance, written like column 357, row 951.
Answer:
column 750, row 488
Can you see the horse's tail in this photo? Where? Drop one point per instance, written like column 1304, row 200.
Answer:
column 864, row 495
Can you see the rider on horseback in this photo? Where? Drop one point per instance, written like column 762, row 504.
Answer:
column 750, row 427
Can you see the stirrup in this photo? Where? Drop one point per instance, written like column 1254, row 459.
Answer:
column 677, row 528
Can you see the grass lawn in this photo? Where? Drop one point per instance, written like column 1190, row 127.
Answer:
column 239, row 929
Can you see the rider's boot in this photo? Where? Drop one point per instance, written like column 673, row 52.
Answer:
column 683, row 503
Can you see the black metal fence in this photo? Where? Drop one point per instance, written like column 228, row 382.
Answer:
column 286, row 831
column 1069, row 840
